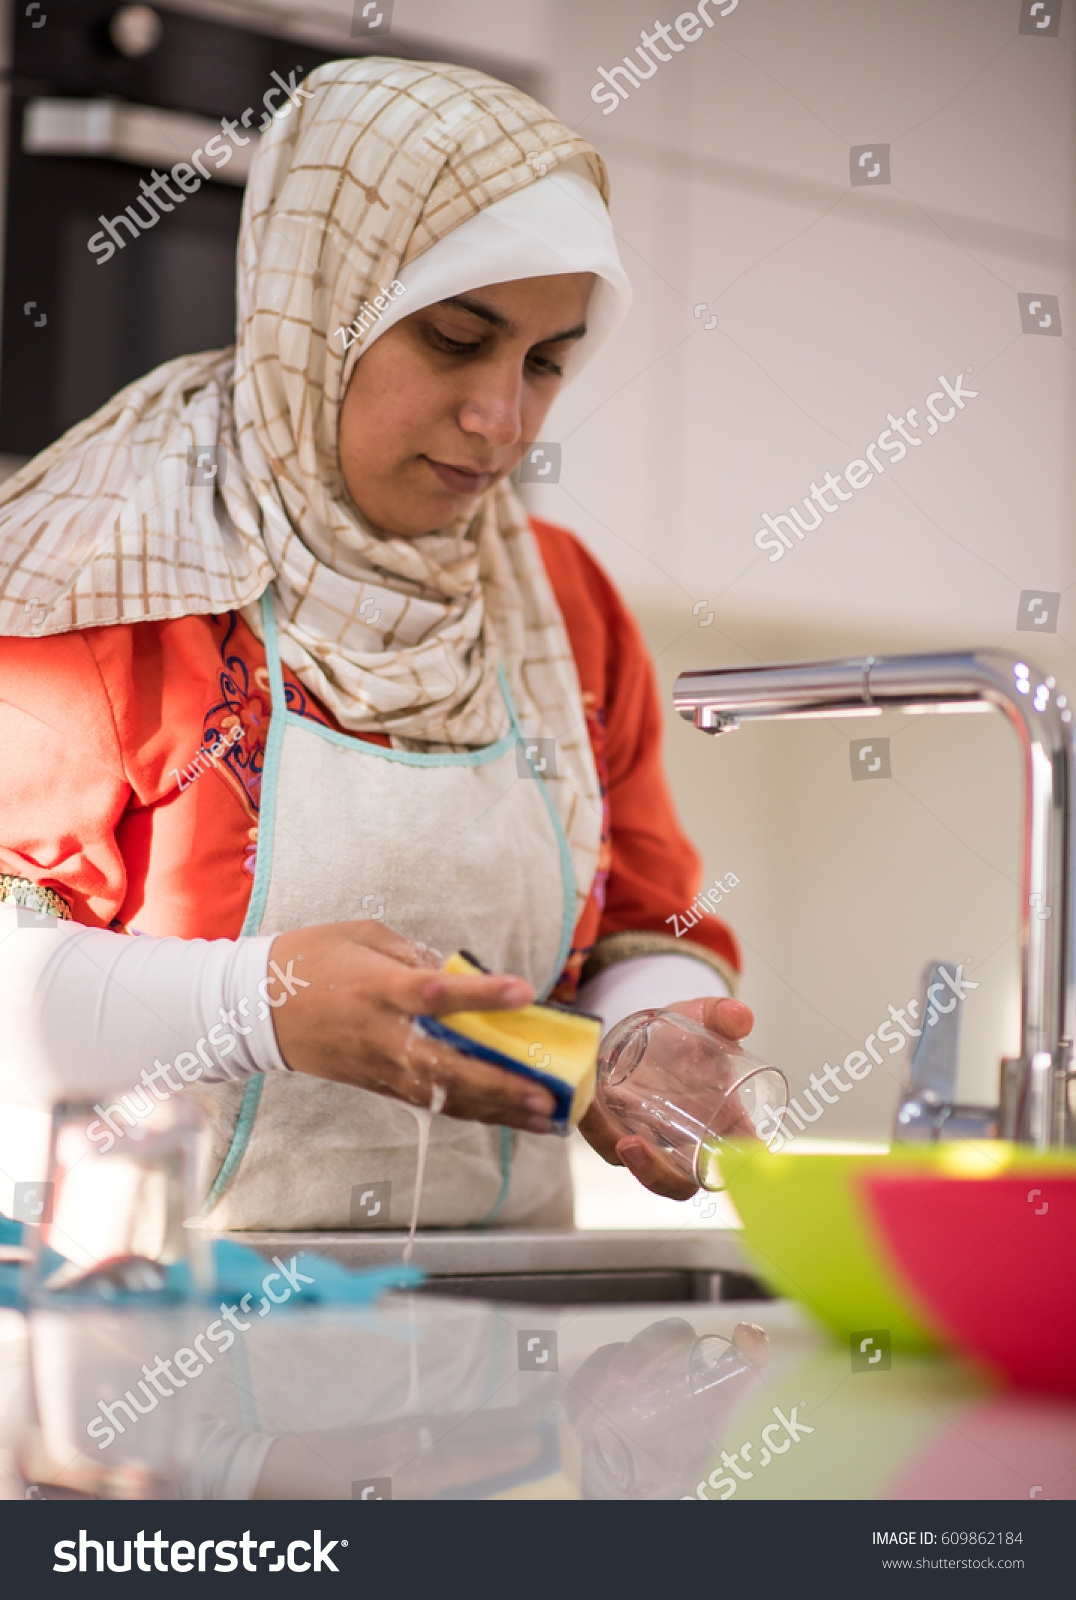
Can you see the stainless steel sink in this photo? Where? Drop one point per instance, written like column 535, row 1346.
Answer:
column 562, row 1267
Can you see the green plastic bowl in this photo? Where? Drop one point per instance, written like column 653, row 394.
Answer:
column 809, row 1234
column 810, row 1228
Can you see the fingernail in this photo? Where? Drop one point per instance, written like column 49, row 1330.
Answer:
column 539, row 1125
column 537, row 1102
column 633, row 1157
column 515, row 994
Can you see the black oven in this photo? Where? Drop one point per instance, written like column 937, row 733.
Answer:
column 102, row 279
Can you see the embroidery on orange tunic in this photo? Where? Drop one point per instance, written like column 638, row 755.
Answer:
column 245, row 703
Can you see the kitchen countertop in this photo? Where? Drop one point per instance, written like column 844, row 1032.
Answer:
column 424, row 1397
column 495, row 1251
column 569, row 1266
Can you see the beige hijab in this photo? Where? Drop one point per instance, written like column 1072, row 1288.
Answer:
column 401, row 636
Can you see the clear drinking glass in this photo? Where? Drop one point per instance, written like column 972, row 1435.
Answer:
column 112, row 1216
column 650, row 1413
column 675, row 1082
column 114, row 1289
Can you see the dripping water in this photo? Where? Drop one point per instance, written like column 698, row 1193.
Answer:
column 424, row 1116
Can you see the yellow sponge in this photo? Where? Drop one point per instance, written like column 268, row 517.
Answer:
column 550, row 1043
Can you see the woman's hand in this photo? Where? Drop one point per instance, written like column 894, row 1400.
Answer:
column 353, row 1023
column 729, row 1019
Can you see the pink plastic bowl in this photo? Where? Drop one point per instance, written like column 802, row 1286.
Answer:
column 992, row 1263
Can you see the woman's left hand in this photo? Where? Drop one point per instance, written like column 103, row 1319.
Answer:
column 729, row 1019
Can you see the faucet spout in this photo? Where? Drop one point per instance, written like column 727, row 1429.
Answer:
column 1041, row 716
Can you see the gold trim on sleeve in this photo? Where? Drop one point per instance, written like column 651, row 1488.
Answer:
column 34, row 896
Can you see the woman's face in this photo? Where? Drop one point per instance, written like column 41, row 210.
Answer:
column 442, row 404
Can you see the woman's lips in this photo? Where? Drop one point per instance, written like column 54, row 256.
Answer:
column 459, row 479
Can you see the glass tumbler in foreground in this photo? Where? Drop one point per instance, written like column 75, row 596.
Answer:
column 675, row 1082
column 113, row 1302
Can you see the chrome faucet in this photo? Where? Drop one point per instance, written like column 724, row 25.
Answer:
column 929, row 1110
column 1038, row 1088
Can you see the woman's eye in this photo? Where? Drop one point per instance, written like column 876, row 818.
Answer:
column 455, row 346
column 547, row 368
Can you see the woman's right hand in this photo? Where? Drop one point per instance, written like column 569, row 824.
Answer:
column 349, row 1018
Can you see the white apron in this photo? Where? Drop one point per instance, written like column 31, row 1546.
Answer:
column 453, row 849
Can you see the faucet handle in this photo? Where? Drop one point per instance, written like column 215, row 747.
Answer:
column 931, row 1089
column 928, row 1109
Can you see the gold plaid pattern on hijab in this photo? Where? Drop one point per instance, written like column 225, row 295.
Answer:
column 400, row 636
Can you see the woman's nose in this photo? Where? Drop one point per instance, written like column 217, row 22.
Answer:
column 492, row 407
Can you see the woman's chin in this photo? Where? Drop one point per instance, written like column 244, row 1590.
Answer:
column 416, row 514
column 445, row 509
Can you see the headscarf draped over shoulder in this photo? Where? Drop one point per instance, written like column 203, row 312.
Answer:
column 378, row 161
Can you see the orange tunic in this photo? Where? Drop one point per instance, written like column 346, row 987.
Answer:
column 131, row 756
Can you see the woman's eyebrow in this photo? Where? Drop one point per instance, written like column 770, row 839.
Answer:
column 502, row 324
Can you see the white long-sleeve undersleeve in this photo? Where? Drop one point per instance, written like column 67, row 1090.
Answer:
column 84, row 1013
column 646, row 981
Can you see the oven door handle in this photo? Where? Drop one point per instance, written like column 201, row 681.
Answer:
column 142, row 135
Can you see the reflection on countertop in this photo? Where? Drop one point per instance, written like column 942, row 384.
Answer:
column 428, row 1398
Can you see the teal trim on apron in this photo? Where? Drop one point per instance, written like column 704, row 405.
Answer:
column 567, row 871
column 410, row 758
column 507, row 1147
column 280, row 716
column 244, row 1125
column 263, row 861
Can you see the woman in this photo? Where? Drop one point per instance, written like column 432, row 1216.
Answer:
column 281, row 651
